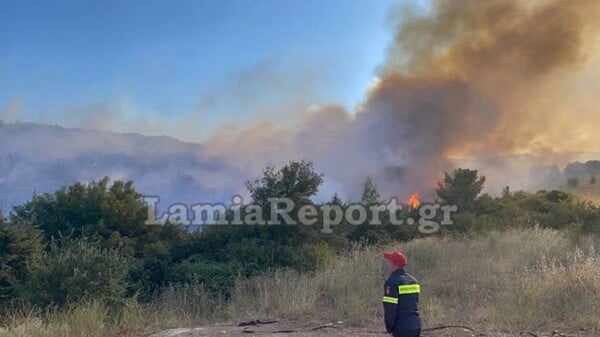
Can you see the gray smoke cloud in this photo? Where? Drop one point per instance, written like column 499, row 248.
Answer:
column 502, row 86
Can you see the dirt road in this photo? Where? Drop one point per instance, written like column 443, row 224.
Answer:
column 336, row 329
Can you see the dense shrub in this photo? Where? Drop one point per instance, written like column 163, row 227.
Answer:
column 75, row 271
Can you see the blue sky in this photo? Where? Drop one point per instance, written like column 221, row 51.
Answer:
column 167, row 58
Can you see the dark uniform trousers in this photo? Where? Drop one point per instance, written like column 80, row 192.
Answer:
column 400, row 302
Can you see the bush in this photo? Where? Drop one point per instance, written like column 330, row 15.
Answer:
column 218, row 278
column 75, row 271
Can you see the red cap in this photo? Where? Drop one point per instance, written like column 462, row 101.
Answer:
column 397, row 258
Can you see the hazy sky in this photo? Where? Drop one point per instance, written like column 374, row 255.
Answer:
column 62, row 61
column 259, row 83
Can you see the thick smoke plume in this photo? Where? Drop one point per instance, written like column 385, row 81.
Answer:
column 477, row 79
column 468, row 82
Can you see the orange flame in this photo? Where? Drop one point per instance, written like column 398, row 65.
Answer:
column 413, row 201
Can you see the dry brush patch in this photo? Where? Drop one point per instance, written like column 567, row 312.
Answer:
column 518, row 279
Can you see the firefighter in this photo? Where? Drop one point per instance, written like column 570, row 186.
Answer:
column 401, row 299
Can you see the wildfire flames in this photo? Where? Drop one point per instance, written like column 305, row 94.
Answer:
column 413, row 201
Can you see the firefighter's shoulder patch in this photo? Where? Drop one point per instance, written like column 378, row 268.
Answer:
column 388, row 290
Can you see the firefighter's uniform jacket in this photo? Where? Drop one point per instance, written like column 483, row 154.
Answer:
column 400, row 302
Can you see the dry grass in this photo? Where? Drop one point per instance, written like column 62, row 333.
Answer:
column 516, row 280
column 88, row 319
column 520, row 279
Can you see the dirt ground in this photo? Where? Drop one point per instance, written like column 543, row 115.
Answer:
column 338, row 329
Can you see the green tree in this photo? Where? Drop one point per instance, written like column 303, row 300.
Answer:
column 122, row 211
column 297, row 181
column 67, row 212
column 113, row 214
column 369, row 195
column 335, row 200
column 20, row 249
column 461, row 188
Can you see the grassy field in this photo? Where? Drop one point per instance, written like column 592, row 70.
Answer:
column 535, row 280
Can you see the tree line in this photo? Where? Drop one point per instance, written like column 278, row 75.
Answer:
column 89, row 241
